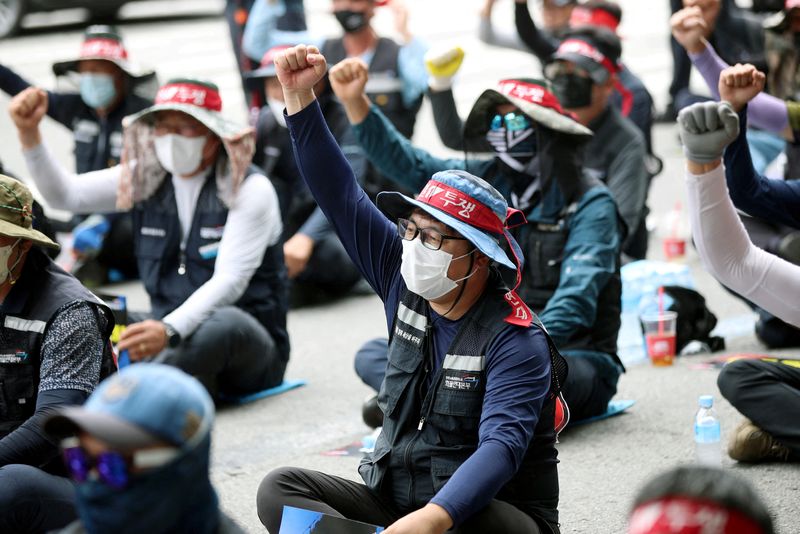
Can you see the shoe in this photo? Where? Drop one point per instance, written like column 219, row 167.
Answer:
column 372, row 413
column 751, row 444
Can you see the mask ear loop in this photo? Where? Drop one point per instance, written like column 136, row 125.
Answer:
column 11, row 279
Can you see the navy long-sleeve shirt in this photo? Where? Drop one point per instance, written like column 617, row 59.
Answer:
column 518, row 363
column 773, row 200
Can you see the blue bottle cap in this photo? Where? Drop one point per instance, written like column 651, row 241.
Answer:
column 706, row 401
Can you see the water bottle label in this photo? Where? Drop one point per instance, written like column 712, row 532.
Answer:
column 707, row 433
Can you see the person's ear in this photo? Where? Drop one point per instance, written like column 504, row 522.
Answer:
column 482, row 260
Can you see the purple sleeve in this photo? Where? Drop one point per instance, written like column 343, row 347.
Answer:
column 764, row 111
column 517, row 382
column 370, row 239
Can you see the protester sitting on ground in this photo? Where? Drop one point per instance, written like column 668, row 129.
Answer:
column 55, row 349
column 109, row 90
column 138, row 452
column 631, row 95
column 583, row 74
column 571, row 244
column 764, row 391
column 737, row 35
column 435, row 262
column 315, row 260
column 694, row 499
column 207, row 230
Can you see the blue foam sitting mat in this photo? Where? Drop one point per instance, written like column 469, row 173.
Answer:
column 615, row 407
column 264, row 393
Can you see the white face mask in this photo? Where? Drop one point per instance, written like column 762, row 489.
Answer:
column 179, row 154
column 276, row 106
column 425, row 271
column 5, row 254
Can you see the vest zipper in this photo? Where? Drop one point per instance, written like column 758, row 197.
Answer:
column 182, row 266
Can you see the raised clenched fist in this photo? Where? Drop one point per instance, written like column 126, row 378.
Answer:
column 739, row 84
column 706, row 129
column 349, row 78
column 300, row 67
column 689, row 28
column 28, row 107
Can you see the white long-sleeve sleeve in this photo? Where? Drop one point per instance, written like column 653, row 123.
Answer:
column 730, row 256
column 91, row 192
column 253, row 224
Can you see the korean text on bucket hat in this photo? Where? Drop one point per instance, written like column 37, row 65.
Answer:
column 16, row 213
column 532, row 97
column 143, row 405
column 478, row 212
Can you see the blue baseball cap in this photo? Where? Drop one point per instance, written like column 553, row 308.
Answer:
column 144, row 404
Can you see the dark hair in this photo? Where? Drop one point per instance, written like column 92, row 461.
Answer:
column 709, row 484
column 612, row 8
column 601, row 38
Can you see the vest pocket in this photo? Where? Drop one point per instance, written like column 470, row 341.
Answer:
column 442, row 468
column 456, row 416
column 371, row 469
column 402, row 365
column 17, row 393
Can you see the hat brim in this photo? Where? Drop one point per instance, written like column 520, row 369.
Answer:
column 394, row 205
column 254, row 79
column 477, row 122
column 212, row 120
column 597, row 72
column 118, row 434
column 60, row 68
column 38, row 238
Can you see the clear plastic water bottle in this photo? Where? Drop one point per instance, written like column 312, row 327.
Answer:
column 707, row 433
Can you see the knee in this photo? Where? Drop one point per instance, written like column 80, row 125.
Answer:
column 12, row 486
column 731, row 379
column 269, row 498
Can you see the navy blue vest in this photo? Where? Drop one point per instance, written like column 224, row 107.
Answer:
column 429, row 432
column 171, row 276
column 46, row 288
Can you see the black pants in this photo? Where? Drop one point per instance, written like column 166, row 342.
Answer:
column 32, row 500
column 330, row 273
column 337, row 496
column 231, row 353
column 767, row 393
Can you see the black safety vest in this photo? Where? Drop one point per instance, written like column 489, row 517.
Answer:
column 157, row 240
column 543, row 247
column 46, row 288
column 429, row 432
column 385, row 87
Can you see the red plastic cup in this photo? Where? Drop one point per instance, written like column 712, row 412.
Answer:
column 659, row 335
column 674, row 248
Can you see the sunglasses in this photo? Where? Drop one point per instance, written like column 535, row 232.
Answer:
column 112, row 468
column 514, row 121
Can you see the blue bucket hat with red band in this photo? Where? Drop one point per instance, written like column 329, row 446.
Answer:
column 477, row 211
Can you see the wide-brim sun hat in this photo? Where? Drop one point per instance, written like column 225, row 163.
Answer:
column 478, row 212
column 201, row 100
column 16, row 213
column 530, row 96
column 144, row 405
column 104, row 43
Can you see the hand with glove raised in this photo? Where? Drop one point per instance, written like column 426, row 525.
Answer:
column 442, row 64
column 706, row 129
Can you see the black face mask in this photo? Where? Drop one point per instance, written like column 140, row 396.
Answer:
column 572, row 91
column 351, row 21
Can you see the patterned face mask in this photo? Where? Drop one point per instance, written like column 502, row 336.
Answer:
column 513, row 138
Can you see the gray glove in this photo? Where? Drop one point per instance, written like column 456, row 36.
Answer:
column 706, row 129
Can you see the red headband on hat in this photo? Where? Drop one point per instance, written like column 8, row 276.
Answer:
column 189, row 93
column 465, row 208
column 530, row 92
column 583, row 16
column 681, row 515
column 269, row 56
column 582, row 48
column 103, row 47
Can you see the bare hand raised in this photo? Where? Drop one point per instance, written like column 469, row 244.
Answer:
column 349, row 78
column 298, row 69
column 739, row 84
column 689, row 29
column 27, row 109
